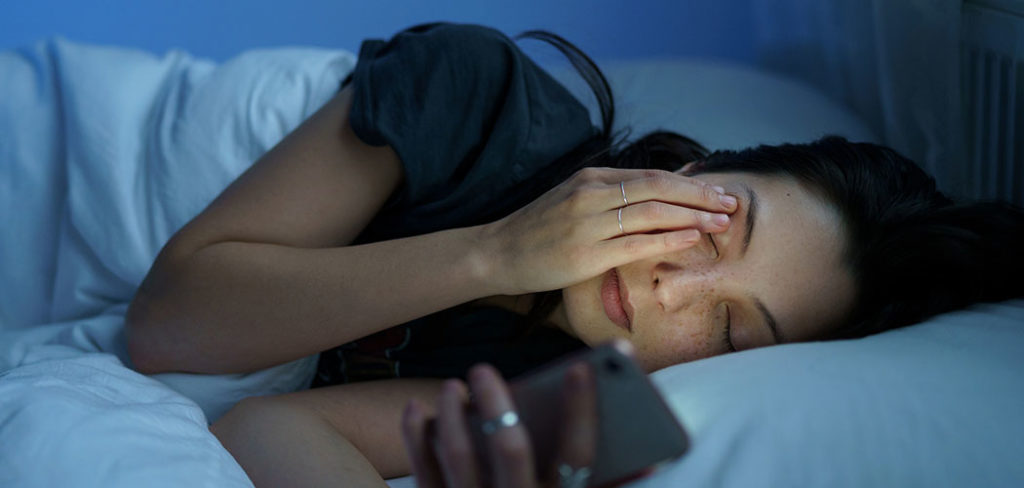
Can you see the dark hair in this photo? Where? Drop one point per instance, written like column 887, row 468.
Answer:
column 913, row 252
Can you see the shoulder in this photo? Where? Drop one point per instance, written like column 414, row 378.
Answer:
column 455, row 50
column 466, row 36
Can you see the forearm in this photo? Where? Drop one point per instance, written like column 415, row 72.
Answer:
column 237, row 306
column 279, row 445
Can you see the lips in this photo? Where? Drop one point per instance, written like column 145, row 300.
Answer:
column 615, row 299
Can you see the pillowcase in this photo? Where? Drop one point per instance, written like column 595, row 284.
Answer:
column 933, row 404
column 719, row 104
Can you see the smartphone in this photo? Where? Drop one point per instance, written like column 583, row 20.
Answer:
column 637, row 432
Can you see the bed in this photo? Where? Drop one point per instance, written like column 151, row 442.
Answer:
column 107, row 151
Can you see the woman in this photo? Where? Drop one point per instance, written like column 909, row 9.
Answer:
column 453, row 204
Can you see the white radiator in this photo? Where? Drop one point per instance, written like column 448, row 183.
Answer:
column 992, row 68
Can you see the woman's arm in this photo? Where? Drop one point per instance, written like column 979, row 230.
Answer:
column 345, row 435
column 353, row 434
column 262, row 276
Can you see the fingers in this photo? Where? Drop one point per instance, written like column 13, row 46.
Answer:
column 415, row 434
column 657, row 185
column 654, row 216
column 579, row 433
column 677, row 189
column 625, row 347
column 647, row 230
column 658, row 201
column 455, row 447
column 509, row 447
column 627, row 249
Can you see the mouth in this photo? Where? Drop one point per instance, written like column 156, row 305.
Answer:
column 615, row 299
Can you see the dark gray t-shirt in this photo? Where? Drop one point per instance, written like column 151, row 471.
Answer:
column 472, row 120
column 469, row 115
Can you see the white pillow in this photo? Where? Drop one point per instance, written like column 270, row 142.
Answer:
column 935, row 404
column 722, row 105
column 930, row 405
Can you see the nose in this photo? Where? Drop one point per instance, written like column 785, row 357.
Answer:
column 677, row 287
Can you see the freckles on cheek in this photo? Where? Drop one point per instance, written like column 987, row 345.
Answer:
column 676, row 345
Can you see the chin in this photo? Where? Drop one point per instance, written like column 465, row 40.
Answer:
column 650, row 365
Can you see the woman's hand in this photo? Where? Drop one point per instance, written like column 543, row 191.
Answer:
column 572, row 233
column 452, row 461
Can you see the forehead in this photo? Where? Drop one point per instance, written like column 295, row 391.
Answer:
column 794, row 262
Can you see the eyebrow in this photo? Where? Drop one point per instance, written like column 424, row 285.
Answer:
column 773, row 325
column 751, row 217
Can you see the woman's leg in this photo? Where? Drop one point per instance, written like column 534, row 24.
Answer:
column 349, row 433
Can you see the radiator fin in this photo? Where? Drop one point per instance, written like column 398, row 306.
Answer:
column 993, row 101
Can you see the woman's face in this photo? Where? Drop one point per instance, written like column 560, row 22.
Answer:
column 786, row 283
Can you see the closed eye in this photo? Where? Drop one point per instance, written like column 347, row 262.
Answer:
column 715, row 246
column 728, row 331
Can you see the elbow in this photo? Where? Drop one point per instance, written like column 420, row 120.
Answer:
column 142, row 337
column 155, row 337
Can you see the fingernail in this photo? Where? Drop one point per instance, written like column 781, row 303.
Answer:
column 719, row 189
column 728, row 200
column 720, row 219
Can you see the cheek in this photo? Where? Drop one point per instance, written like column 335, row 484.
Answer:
column 660, row 341
column 679, row 340
column 583, row 309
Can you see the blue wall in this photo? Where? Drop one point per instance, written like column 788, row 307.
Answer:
column 605, row 29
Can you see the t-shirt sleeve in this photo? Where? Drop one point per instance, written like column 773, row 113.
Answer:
column 468, row 114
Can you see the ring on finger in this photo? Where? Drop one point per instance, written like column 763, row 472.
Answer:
column 622, row 187
column 569, row 477
column 621, row 229
column 507, row 419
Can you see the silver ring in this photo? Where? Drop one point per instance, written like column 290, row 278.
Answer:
column 507, row 419
column 622, row 186
column 572, row 478
column 620, row 222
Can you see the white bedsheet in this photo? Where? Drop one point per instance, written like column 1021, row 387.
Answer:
column 82, row 419
column 104, row 153
column 107, row 152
